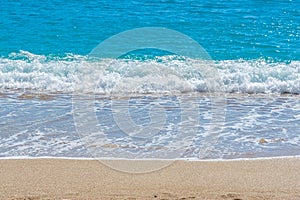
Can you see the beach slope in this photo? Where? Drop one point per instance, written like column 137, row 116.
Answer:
column 91, row 179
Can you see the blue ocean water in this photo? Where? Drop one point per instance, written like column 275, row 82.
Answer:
column 226, row 29
column 254, row 47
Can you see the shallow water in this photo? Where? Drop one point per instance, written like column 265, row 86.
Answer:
column 31, row 126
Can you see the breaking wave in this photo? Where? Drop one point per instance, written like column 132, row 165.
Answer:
column 27, row 71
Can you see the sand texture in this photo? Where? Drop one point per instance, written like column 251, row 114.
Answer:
column 91, row 179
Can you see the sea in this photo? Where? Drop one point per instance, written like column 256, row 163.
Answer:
column 160, row 79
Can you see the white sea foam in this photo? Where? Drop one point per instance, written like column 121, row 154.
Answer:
column 27, row 71
column 179, row 159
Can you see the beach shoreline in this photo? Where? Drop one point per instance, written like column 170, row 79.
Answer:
column 56, row 178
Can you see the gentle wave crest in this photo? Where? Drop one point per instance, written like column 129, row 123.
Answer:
column 27, row 71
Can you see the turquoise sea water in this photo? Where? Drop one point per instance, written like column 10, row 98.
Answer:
column 254, row 47
column 226, row 29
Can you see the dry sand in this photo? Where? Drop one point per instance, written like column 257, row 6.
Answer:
column 90, row 179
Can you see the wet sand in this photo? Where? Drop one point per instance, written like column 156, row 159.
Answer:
column 91, row 179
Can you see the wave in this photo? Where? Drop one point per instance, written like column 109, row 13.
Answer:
column 69, row 73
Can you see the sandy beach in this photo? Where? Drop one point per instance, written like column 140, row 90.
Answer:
column 91, row 179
